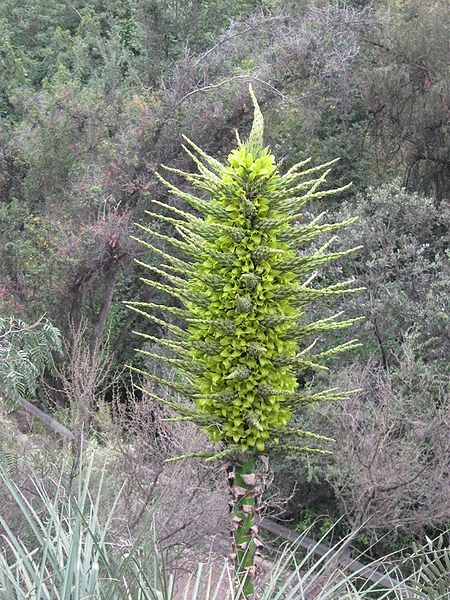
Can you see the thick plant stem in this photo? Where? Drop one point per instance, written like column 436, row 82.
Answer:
column 245, row 489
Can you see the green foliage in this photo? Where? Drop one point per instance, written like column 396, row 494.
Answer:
column 8, row 461
column 25, row 351
column 404, row 266
column 407, row 91
column 432, row 568
column 332, row 134
column 103, row 43
column 408, row 399
column 93, row 97
column 244, row 287
column 11, row 66
column 29, row 259
column 314, row 523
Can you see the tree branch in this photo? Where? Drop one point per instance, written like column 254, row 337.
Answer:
column 206, row 88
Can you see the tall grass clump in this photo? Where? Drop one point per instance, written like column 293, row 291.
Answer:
column 67, row 551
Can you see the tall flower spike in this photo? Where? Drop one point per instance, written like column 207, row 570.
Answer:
column 255, row 137
column 244, row 286
column 240, row 337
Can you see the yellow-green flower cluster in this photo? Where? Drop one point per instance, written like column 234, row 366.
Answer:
column 241, row 384
column 236, row 335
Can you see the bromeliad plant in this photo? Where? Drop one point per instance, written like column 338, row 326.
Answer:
column 240, row 277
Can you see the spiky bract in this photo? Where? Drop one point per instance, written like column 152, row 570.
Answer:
column 241, row 280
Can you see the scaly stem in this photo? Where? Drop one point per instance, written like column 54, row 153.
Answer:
column 244, row 490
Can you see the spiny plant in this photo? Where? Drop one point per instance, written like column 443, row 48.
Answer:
column 240, row 278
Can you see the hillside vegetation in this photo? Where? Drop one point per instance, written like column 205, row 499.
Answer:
column 94, row 97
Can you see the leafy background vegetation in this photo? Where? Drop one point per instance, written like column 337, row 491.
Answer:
column 94, row 97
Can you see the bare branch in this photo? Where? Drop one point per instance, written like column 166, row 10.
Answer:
column 225, row 82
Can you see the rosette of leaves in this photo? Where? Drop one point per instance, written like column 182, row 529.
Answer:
column 240, row 278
